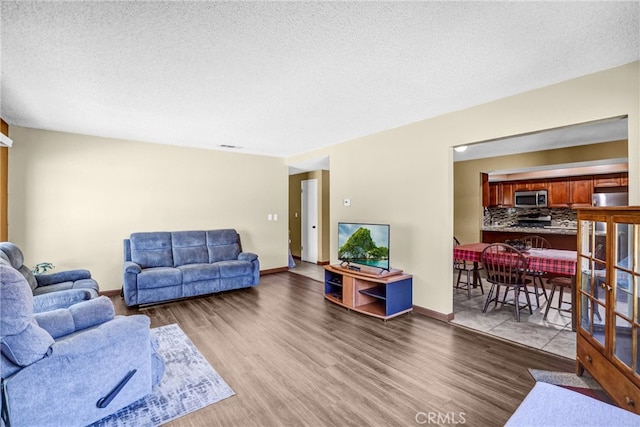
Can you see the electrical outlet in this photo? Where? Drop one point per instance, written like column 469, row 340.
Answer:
column 269, row 217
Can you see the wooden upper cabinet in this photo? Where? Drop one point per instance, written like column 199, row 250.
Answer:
column 572, row 192
column 522, row 185
column 611, row 180
column 495, row 194
column 484, row 182
column 507, row 195
column 538, row 184
column 624, row 179
column 580, row 191
column 559, row 192
column 500, row 194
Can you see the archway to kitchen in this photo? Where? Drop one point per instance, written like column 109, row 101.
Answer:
column 485, row 212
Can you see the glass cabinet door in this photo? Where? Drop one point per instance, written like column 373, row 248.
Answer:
column 625, row 276
column 592, row 277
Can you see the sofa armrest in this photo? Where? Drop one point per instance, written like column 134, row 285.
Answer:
column 80, row 370
column 109, row 334
column 130, row 283
column 65, row 321
column 132, row 267
column 247, row 256
column 61, row 299
column 62, row 276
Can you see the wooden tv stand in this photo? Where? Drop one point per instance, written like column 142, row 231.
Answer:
column 384, row 296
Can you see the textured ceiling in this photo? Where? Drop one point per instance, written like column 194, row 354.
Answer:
column 282, row 78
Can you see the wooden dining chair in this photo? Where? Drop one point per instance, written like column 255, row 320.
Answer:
column 559, row 283
column 537, row 242
column 462, row 266
column 506, row 267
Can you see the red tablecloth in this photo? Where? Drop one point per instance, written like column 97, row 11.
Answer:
column 553, row 261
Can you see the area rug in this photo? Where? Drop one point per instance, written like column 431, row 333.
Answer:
column 189, row 383
column 584, row 385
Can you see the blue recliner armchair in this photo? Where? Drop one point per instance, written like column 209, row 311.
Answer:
column 70, row 366
column 70, row 286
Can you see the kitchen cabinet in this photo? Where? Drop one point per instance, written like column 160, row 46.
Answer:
column 556, row 240
column 570, row 192
column 581, row 191
column 559, row 193
column 624, row 179
column 608, row 301
column 522, row 185
column 611, row 180
column 529, row 185
column 507, row 195
column 495, row 194
column 500, row 195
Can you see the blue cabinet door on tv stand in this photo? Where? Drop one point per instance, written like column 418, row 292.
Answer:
column 399, row 296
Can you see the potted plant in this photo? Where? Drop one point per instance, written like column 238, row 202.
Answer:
column 42, row 267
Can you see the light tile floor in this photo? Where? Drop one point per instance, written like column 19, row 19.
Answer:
column 309, row 269
column 553, row 335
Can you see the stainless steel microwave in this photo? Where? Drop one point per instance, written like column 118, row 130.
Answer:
column 530, row 199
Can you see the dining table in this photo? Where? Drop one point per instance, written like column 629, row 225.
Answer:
column 552, row 262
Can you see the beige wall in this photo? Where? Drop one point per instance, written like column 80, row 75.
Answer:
column 467, row 185
column 295, row 204
column 404, row 176
column 74, row 198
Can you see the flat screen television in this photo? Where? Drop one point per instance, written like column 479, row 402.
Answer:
column 364, row 244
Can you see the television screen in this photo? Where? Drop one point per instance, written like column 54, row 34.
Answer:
column 365, row 244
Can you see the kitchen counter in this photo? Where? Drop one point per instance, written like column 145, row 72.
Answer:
column 532, row 230
column 558, row 237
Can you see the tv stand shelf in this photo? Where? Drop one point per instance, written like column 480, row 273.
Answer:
column 384, row 295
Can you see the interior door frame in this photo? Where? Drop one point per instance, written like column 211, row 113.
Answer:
column 309, row 220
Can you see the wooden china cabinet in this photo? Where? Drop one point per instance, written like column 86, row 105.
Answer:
column 608, row 301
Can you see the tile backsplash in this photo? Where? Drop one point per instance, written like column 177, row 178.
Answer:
column 509, row 216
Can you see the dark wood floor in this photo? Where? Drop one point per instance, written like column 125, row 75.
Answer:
column 294, row 359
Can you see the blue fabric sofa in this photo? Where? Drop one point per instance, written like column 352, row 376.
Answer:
column 70, row 366
column 163, row 266
column 76, row 284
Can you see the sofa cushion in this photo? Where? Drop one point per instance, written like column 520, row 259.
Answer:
column 62, row 286
column 159, row 277
column 235, row 268
column 189, row 247
column 223, row 245
column 199, row 272
column 152, row 249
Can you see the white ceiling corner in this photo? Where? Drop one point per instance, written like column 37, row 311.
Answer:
column 284, row 78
